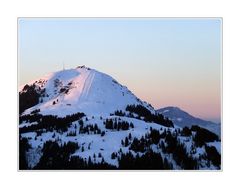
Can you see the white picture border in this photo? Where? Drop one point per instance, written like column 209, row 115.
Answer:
column 10, row 10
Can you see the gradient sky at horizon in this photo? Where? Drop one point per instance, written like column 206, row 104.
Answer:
column 166, row 62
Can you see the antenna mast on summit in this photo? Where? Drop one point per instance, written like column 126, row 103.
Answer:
column 63, row 66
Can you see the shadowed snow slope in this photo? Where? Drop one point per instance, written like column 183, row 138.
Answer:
column 82, row 90
column 182, row 119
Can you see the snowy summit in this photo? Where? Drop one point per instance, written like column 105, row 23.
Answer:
column 81, row 90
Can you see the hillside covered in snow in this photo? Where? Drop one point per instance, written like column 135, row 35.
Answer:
column 184, row 119
column 84, row 119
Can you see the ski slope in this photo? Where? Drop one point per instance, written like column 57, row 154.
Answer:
column 87, row 90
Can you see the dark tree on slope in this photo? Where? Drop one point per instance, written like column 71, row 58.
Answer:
column 113, row 124
column 149, row 161
column 48, row 122
column 89, row 129
column 155, row 136
column 139, row 145
column 102, row 133
column 213, row 155
column 130, row 136
column 126, row 143
column 80, row 122
column 180, row 155
column 23, row 148
column 56, row 156
column 167, row 165
column 186, row 131
column 28, row 98
column 141, row 111
column 78, row 163
column 171, row 142
column 113, row 155
column 203, row 135
column 119, row 113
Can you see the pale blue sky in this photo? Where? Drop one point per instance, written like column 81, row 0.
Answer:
column 163, row 61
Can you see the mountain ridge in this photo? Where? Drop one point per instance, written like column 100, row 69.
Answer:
column 183, row 118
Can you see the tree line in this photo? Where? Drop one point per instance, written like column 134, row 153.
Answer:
column 48, row 122
column 90, row 129
column 56, row 157
column 117, row 125
column 144, row 113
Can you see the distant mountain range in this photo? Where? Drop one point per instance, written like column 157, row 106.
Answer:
column 182, row 119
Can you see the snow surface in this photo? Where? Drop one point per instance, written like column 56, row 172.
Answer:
column 97, row 95
column 89, row 91
column 111, row 142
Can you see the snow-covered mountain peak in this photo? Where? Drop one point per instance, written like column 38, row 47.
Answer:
column 81, row 90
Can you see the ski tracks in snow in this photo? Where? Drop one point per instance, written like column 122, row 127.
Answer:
column 87, row 85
